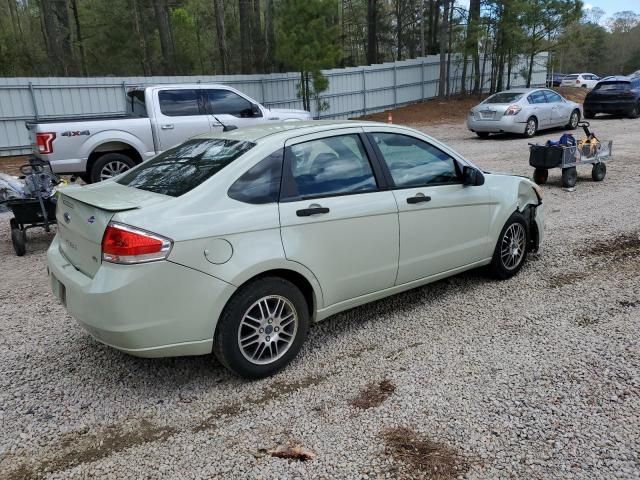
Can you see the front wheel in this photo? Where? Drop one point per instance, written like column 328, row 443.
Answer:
column 598, row 172
column 635, row 113
column 540, row 176
column 531, row 127
column 110, row 165
column 569, row 177
column 512, row 248
column 262, row 328
column 573, row 120
column 19, row 241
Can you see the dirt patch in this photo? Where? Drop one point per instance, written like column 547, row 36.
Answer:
column 621, row 247
column 77, row 448
column 567, row 278
column 422, row 458
column 572, row 93
column 292, row 451
column 11, row 165
column 627, row 304
column 280, row 387
column 587, row 321
column 374, row 394
column 230, row 410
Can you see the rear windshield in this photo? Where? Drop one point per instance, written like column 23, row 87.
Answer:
column 570, row 77
column 136, row 106
column 182, row 168
column 613, row 86
column 504, row 97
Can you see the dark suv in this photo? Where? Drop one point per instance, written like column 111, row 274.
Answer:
column 619, row 95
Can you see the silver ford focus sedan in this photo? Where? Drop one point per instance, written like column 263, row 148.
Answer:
column 234, row 243
column 523, row 111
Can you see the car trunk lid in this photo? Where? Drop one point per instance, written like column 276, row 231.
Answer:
column 83, row 214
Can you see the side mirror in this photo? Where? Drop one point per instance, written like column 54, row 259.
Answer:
column 255, row 110
column 471, row 176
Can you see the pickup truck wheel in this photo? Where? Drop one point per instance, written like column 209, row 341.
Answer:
column 110, row 165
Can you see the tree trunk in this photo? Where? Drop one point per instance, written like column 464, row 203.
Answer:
column 449, row 42
column 270, row 35
column 372, row 35
column 244, row 10
column 422, row 44
column 444, row 33
column 472, row 35
column 80, row 40
column 142, row 40
column 399, row 27
column 161, row 10
column 221, row 36
column 435, row 18
column 58, row 36
column 257, row 39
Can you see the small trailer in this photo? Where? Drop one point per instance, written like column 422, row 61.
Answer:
column 568, row 156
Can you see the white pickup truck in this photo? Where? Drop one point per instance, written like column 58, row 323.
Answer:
column 158, row 118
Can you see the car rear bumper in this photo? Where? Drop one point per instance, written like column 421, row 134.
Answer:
column 156, row 309
column 68, row 166
column 506, row 123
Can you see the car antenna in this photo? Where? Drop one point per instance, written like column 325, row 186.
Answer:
column 225, row 128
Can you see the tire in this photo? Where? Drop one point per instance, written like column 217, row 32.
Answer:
column 109, row 165
column 598, row 172
column 569, row 177
column 511, row 249
column 573, row 120
column 19, row 240
column 540, row 175
column 235, row 324
column 531, row 128
column 589, row 115
column 635, row 113
column 483, row 134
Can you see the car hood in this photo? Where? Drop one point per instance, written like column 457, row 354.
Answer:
column 290, row 114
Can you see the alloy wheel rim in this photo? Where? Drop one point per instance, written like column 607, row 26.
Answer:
column 113, row 169
column 574, row 120
column 267, row 330
column 531, row 127
column 513, row 246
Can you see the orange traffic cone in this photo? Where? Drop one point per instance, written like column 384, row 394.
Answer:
column 389, row 118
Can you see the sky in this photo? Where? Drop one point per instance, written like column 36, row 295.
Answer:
column 613, row 6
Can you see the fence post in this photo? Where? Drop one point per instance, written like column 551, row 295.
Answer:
column 422, row 78
column 364, row 91
column 124, row 92
column 262, row 89
column 395, row 85
column 33, row 100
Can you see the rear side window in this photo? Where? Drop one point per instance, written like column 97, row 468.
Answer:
column 571, row 77
column 552, row 97
column 261, row 183
column 182, row 168
column 227, row 102
column 180, row 103
column 326, row 167
column 136, row 106
column 537, row 97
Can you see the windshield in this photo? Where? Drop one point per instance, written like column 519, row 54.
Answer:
column 504, row 97
column 181, row 169
column 613, row 86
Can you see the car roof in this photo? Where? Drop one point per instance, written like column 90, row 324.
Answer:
column 286, row 129
column 616, row 78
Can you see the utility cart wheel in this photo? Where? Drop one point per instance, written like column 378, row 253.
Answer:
column 598, row 172
column 19, row 240
column 569, row 177
column 540, row 175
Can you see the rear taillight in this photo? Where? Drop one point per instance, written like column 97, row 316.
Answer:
column 577, row 81
column 125, row 244
column 513, row 110
column 45, row 142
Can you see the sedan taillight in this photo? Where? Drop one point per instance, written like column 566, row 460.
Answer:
column 129, row 245
column 45, row 142
column 513, row 110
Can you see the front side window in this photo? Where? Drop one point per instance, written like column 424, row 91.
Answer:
column 261, row 183
column 180, row 103
column 329, row 166
column 415, row 163
column 229, row 103
column 552, row 97
column 182, row 168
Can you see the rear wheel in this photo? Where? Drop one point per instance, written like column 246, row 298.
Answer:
column 483, row 134
column 635, row 113
column 512, row 247
column 531, row 127
column 110, row 165
column 598, row 172
column 262, row 327
column 573, row 120
column 569, row 177
column 540, row 175
column 19, row 241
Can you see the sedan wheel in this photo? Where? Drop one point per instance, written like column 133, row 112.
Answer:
column 262, row 327
column 512, row 248
column 573, row 120
column 531, row 128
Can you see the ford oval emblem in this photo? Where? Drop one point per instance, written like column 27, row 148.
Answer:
column 67, row 217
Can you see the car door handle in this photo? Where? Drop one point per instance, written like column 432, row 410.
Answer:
column 419, row 198
column 167, row 127
column 307, row 212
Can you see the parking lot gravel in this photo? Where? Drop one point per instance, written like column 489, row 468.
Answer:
column 530, row 378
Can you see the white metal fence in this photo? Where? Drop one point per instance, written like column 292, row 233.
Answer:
column 352, row 92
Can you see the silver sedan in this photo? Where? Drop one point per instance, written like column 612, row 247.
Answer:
column 523, row 111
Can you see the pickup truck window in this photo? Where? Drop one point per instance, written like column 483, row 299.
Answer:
column 180, row 103
column 182, row 168
column 136, row 105
column 227, row 102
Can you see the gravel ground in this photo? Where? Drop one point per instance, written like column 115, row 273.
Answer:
column 534, row 377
